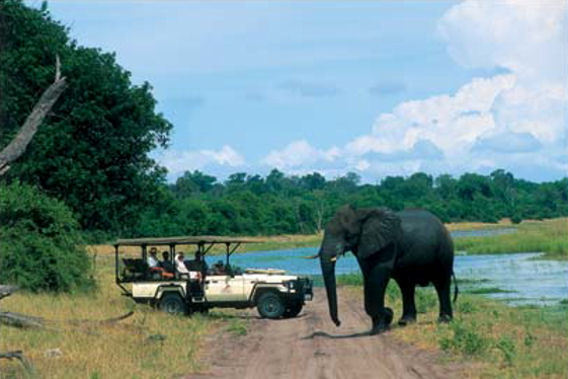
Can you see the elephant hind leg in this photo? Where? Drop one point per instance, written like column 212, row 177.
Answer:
column 443, row 288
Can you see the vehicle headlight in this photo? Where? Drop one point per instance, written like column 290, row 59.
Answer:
column 291, row 285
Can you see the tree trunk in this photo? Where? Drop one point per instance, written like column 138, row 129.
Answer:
column 19, row 144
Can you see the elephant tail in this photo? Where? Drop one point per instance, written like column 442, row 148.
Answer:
column 456, row 289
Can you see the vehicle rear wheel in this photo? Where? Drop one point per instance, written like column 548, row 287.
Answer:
column 293, row 310
column 173, row 303
column 270, row 305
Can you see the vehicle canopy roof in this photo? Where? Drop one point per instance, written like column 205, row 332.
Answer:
column 184, row 240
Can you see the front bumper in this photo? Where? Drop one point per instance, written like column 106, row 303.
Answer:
column 299, row 290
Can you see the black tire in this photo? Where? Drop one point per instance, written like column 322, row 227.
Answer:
column 270, row 305
column 293, row 310
column 173, row 303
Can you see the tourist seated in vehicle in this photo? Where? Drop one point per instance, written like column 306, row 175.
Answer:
column 197, row 264
column 152, row 258
column 166, row 264
column 180, row 265
column 156, row 268
column 218, row 269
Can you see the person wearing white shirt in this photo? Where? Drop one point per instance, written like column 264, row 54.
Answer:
column 180, row 265
column 152, row 259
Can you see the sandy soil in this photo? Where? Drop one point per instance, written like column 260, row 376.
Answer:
column 310, row 346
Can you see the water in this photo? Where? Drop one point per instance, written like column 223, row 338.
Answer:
column 529, row 280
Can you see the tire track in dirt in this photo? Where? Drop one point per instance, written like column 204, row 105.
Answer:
column 309, row 346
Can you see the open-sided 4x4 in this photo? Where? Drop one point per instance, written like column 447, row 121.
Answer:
column 274, row 293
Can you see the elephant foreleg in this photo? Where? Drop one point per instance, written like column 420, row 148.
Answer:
column 443, row 289
column 408, row 305
column 376, row 282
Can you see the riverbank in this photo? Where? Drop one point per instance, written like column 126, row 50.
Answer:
column 547, row 236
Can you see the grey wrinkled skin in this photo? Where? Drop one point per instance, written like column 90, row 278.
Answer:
column 412, row 247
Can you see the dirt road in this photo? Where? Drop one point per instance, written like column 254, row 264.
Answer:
column 310, row 346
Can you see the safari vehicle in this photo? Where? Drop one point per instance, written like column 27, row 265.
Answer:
column 274, row 293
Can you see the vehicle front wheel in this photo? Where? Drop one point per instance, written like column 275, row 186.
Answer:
column 270, row 305
column 293, row 310
column 172, row 303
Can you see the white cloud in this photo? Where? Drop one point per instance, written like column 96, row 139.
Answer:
column 451, row 123
column 178, row 162
column 300, row 154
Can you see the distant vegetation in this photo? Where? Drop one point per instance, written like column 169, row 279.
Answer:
column 250, row 204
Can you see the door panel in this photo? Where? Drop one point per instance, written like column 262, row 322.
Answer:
column 224, row 288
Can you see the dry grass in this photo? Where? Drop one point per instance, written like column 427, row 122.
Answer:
column 124, row 349
column 504, row 223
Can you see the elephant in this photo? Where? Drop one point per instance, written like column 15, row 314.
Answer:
column 412, row 247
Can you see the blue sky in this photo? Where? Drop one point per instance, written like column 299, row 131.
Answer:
column 379, row 88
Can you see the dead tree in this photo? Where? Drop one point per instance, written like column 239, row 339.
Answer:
column 19, row 144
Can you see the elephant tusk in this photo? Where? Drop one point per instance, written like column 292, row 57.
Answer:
column 312, row 256
column 333, row 259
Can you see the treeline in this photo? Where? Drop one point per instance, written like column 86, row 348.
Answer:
column 250, row 204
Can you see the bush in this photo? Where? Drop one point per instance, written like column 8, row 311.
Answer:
column 466, row 339
column 40, row 244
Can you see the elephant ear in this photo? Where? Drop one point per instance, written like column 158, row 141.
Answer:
column 379, row 228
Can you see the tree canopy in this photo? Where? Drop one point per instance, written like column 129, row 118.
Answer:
column 92, row 151
column 251, row 204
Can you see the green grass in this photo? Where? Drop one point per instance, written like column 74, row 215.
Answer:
column 237, row 327
column 550, row 237
column 486, row 290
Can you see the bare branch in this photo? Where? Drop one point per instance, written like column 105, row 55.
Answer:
column 19, row 355
column 57, row 69
column 19, row 144
column 19, row 320
column 7, row 290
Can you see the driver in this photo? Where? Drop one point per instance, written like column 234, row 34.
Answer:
column 198, row 263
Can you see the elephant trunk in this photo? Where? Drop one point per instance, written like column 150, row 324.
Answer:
column 328, row 271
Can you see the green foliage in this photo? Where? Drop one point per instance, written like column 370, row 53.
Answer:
column 40, row 245
column 507, row 346
column 92, row 150
column 278, row 204
column 426, row 299
column 237, row 327
column 465, row 339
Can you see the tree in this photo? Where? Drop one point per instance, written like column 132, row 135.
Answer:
column 92, row 152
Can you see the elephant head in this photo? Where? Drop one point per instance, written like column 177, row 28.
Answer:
column 364, row 232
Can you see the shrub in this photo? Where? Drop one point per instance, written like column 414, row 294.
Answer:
column 507, row 347
column 466, row 339
column 40, row 244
